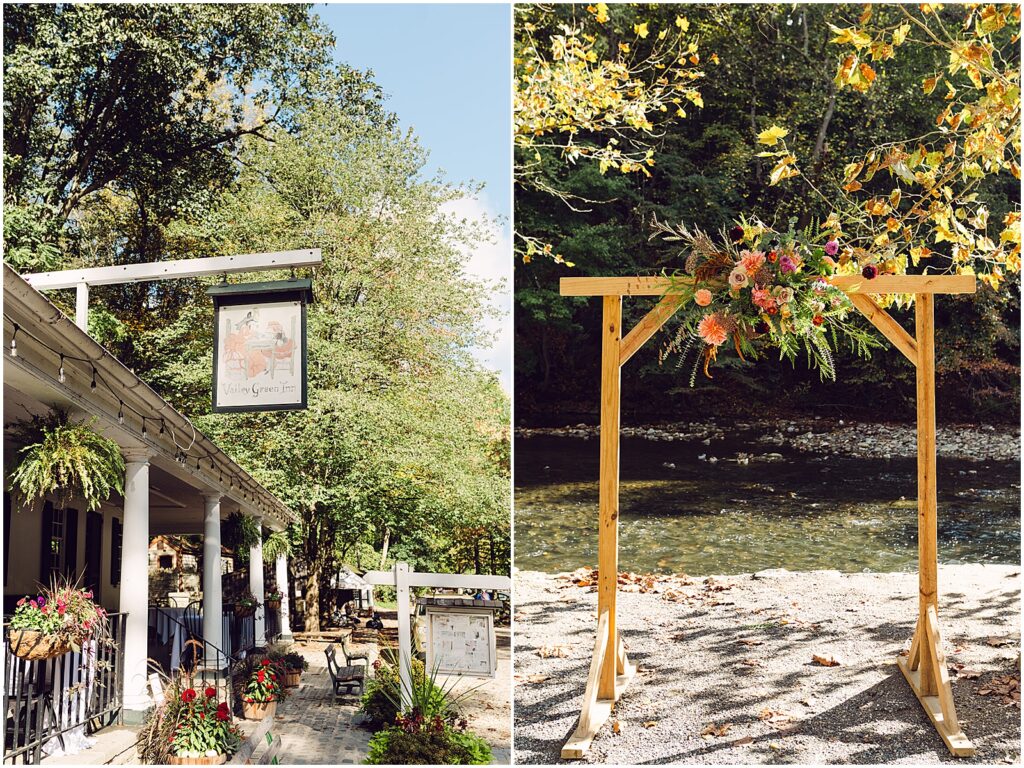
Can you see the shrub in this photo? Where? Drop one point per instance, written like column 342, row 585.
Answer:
column 444, row 746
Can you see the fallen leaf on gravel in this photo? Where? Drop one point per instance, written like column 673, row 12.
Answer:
column 825, row 662
column 716, row 730
column 559, row 651
column 774, row 716
column 969, row 674
column 531, row 678
column 678, row 636
column 744, row 740
column 750, row 662
column 616, row 727
column 749, row 641
column 998, row 642
column 649, row 723
column 1007, row 687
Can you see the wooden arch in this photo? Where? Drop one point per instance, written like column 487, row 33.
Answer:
column 925, row 667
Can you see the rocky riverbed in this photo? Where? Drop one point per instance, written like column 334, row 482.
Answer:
column 817, row 435
column 774, row 667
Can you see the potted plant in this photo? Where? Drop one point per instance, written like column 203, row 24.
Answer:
column 246, row 604
column 294, row 664
column 273, row 599
column 204, row 733
column 262, row 691
column 54, row 622
column 67, row 460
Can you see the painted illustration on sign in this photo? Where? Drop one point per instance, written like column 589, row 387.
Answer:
column 461, row 643
column 259, row 355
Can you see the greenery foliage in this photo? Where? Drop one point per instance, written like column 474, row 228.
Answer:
column 447, row 746
column 67, row 460
column 380, row 701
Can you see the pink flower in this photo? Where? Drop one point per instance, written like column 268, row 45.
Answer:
column 702, row 297
column 832, row 247
column 751, row 261
column 712, row 331
column 762, row 298
column 786, row 264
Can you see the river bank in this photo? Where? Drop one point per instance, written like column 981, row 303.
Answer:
column 727, row 673
column 819, row 435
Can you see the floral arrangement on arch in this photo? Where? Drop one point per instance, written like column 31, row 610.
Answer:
column 63, row 612
column 204, row 726
column 264, row 684
column 757, row 289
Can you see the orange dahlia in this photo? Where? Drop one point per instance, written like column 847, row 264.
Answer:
column 712, row 331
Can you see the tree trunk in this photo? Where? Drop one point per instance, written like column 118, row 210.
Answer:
column 476, row 554
column 313, row 598
column 384, row 549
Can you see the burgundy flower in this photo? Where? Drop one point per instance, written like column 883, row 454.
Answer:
column 211, row 692
column 188, row 695
column 762, row 327
column 222, row 715
column 870, row 271
column 736, row 233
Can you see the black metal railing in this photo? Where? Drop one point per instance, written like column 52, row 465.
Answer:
column 203, row 663
column 272, row 623
column 45, row 699
column 241, row 631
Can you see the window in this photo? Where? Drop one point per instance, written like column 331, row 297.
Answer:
column 166, row 561
column 58, row 542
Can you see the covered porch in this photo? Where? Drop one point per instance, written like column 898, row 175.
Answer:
column 177, row 482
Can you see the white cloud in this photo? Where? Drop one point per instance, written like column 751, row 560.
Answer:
column 491, row 261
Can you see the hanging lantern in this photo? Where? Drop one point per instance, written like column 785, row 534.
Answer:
column 259, row 345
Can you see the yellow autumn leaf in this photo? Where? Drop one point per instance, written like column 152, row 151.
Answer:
column 640, row 30
column 602, row 13
column 682, row 23
column 900, row 34
column 783, row 170
column 714, row 58
column 772, row 136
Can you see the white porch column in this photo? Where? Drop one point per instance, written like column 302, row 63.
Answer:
column 256, row 587
column 281, row 573
column 135, row 579
column 213, row 593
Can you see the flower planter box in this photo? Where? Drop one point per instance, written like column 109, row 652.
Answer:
column 257, row 710
column 241, row 611
column 32, row 645
column 292, row 678
column 273, row 605
column 204, row 760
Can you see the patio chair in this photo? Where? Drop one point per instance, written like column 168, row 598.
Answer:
column 347, row 677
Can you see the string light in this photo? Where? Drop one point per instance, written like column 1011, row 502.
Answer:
column 144, row 432
column 161, row 426
column 14, row 341
column 120, row 412
column 60, row 371
column 93, row 384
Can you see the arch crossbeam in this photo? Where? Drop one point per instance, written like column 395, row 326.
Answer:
column 925, row 667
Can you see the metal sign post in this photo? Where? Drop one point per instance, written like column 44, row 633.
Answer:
column 402, row 578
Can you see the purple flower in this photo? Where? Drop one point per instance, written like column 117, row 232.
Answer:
column 786, row 264
column 832, row 247
column 41, row 601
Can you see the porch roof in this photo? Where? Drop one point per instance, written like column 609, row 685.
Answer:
column 185, row 455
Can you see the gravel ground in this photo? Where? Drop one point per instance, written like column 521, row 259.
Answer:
column 824, row 436
column 738, row 651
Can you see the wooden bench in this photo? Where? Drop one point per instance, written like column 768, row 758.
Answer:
column 344, row 677
column 246, row 754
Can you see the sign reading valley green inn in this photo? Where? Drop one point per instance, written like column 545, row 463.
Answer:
column 259, row 346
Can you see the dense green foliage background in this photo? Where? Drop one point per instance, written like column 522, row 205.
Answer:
column 137, row 133
column 776, row 67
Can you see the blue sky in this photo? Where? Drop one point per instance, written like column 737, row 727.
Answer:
column 447, row 72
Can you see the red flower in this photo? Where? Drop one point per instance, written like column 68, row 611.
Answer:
column 261, row 675
column 818, row 320
column 188, row 695
column 222, row 715
column 211, row 692
column 202, row 715
column 773, row 257
column 265, row 662
column 273, row 676
column 223, row 705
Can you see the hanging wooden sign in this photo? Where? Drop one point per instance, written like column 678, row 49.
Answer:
column 259, row 346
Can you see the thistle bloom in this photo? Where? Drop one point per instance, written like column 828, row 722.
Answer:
column 702, row 297
column 751, row 261
column 712, row 331
column 832, row 247
column 870, row 272
column 738, row 278
column 786, row 264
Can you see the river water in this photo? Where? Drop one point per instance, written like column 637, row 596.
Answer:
column 805, row 512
